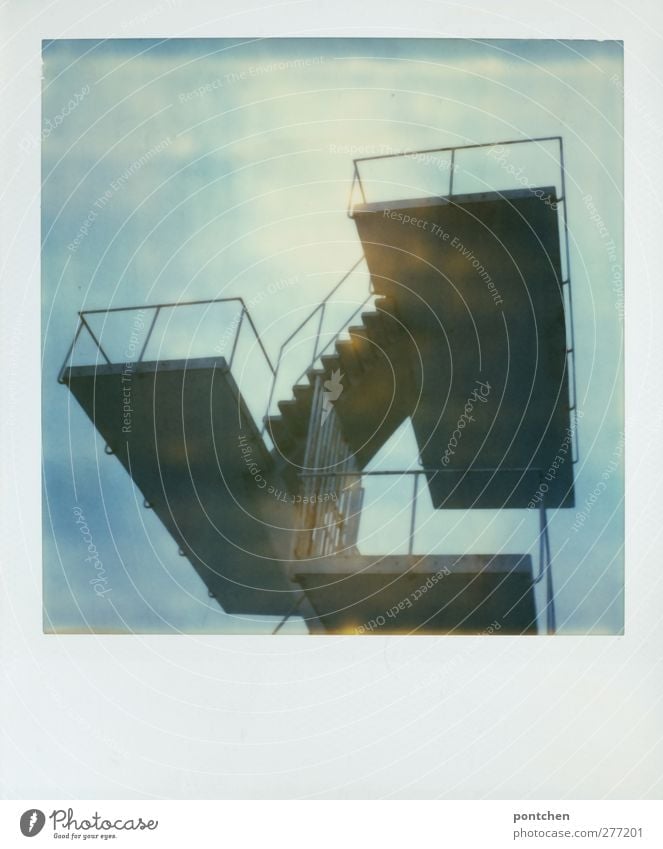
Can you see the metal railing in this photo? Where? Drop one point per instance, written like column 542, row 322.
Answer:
column 319, row 524
column 414, row 473
column 84, row 325
column 452, row 150
column 331, row 501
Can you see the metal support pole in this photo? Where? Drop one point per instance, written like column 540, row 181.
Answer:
column 271, row 393
column 317, row 337
column 574, row 397
column 413, row 517
column 292, row 610
column 310, row 453
column 239, row 330
column 545, row 569
column 70, row 351
column 551, row 619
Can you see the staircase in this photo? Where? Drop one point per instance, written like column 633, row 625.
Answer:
column 377, row 391
column 263, row 554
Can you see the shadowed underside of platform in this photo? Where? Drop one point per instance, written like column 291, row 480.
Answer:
column 187, row 440
column 441, row 594
column 187, row 443
column 468, row 338
column 477, row 281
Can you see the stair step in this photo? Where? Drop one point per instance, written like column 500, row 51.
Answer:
column 330, row 363
column 278, row 430
column 303, row 393
column 313, row 373
column 351, row 364
column 363, row 345
column 353, row 356
column 376, row 324
column 377, row 334
column 295, row 416
column 386, row 307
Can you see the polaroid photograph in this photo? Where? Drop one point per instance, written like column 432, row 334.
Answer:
column 325, row 350
column 332, row 418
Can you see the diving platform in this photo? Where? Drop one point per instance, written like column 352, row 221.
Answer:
column 434, row 594
column 183, row 433
column 469, row 335
column 476, row 280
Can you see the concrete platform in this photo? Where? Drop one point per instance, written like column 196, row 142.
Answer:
column 188, row 443
column 477, row 280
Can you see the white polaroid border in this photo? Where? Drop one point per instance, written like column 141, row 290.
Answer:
column 187, row 717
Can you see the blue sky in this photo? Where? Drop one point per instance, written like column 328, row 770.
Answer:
column 244, row 192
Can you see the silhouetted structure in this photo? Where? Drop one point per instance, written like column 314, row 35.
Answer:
column 467, row 336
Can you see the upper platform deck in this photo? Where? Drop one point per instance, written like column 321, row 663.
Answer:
column 477, row 280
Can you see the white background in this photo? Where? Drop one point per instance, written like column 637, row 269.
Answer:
column 205, row 717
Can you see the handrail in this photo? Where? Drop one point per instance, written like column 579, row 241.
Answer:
column 452, row 149
column 361, row 473
column 334, row 338
column 456, row 147
column 545, row 559
column 163, row 305
column 322, row 303
column 316, row 354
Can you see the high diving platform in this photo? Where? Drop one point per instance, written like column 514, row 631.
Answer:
column 186, row 446
column 478, row 283
column 255, row 469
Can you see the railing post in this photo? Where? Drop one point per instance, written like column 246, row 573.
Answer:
column 239, row 330
column 301, row 548
column 149, row 334
column 71, row 350
column 94, row 339
column 317, row 337
column 271, row 391
column 572, row 369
